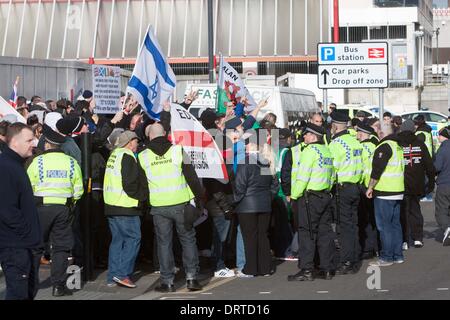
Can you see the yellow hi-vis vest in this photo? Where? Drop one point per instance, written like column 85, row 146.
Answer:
column 166, row 182
column 315, row 172
column 367, row 157
column 347, row 160
column 428, row 141
column 113, row 193
column 296, row 152
column 393, row 178
column 56, row 177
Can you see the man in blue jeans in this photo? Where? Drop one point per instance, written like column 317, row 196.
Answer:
column 387, row 186
column 125, row 186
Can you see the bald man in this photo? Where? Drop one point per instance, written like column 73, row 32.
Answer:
column 173, row 183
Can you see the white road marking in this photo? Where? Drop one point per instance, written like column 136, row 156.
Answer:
column 382, row 290
column 322, row 292
column 178, row 298
column 265, row 292
column 442, row 289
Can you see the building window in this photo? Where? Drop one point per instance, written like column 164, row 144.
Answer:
column 396, row 3
column 397, row 32
column 378, row 33
column 357, row 34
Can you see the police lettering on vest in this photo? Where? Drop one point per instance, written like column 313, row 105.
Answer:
column 56, row 177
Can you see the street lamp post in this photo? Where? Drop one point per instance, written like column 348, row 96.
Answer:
column 437, row 48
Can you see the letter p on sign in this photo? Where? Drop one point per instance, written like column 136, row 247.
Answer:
column 328, row 54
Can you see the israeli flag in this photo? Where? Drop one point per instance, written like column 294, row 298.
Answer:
column 153, row 81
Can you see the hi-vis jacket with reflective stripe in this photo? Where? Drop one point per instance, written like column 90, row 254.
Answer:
column 56, row 177
column 347, row 158
column 296, row 152
column 393, row 178
column 315, row 171
column 166, row 182
column 367, row 156
column 428, row 141
column 113, row 192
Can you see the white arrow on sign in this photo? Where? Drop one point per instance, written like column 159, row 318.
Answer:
column 352, row 76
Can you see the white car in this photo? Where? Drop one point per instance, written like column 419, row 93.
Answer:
column 435, row 120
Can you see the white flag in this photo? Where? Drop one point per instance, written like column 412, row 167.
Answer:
column 153, row 81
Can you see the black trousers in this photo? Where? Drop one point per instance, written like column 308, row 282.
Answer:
column 280, row 229
column 254, row 227
column 322, row 232
column 349, row 197
column 411, row 218
column 21, row 269
column 368, row 234
column 57, row 230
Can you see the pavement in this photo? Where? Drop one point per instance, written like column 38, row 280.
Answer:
column 424, row 275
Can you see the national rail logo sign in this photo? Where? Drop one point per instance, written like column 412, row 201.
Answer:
column 376, row 53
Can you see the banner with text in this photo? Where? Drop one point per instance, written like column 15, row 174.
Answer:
column 106, row 88
column 198, row 143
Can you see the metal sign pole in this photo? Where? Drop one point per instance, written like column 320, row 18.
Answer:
column 325, row 101
column 381, row 109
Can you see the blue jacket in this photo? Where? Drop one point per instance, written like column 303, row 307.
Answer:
column 442, row 164
column 19, row 219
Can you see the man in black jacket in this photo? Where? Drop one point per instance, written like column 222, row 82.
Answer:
column 20, row 229
column 418, row 163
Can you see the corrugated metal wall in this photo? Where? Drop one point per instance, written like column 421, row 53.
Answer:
column 46, row 78
column 71, row 29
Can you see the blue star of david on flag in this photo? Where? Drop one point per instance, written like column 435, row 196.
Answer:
column 153, row 81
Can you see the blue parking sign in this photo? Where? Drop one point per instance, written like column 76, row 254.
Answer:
column 328, row 54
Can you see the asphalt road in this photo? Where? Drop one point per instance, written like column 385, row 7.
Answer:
column 424, row 275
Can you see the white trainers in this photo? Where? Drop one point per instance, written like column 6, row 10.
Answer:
column 380, row 263
column 400, row 261
column 240, row 274
column 446, row 240
column 224, row 273
column 418, row 244
column 405, row 246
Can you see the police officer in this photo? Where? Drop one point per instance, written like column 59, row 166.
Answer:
column 347, row 162
column 311, row 191
column 366, row 217
column 57, row 184
column 172, row 183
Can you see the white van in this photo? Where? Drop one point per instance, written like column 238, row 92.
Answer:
column 288, row 104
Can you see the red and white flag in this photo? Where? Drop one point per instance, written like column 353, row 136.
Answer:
column 13, row 97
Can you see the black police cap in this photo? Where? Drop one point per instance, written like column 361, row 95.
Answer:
column 312, row 128
column 340, row 117
column 364, row 128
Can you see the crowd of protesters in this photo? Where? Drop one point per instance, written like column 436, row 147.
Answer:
column 147, row 197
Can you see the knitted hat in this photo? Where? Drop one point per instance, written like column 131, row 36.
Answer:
column 70, row 125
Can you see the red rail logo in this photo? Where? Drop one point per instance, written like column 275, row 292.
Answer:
column 376, row 53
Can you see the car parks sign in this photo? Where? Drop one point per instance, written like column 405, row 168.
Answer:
column 353, row 65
